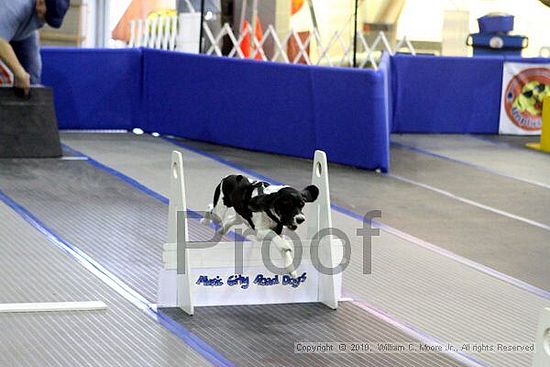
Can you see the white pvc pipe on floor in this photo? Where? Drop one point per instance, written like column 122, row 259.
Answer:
column 52, row 307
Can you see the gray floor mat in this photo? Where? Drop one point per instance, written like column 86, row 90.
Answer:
column 506, row 159
column 266, row 335
column 33, row 270
column 108, row 220
column 438, row 295
column 120, row 227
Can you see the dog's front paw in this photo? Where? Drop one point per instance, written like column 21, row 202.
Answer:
column 222, row 231
column 288, row 259
column 286, row 246
column 206, row 221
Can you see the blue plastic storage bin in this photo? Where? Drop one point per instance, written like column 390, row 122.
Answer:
column 491, row 44
column 496, row 23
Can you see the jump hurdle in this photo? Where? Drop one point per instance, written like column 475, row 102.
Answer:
column 199, row 274
column 542, row 352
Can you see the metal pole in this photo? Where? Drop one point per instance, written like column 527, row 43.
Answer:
column 313, row 16
column 244, row 5
column 103, row 34
column 355, row 35
column 253, row 32
column 202, row 27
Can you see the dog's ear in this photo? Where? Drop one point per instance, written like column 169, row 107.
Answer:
column 310, row 193
column 261, row 202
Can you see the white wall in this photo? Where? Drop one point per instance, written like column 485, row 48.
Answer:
column 116, row 10
column 423, row 19
column 89, row 28
column 331, row 15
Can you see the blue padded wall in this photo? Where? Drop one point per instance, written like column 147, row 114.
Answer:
column 271, row 107
column 95, row 88
column 530, row 60
column 350, row 117
column 276, row 108
column 446, row 94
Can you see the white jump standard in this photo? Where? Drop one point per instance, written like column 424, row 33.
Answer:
column 251, row 272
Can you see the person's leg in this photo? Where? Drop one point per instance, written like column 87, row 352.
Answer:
column 28, row 53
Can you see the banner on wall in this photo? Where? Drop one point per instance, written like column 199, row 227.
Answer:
column 524, row 87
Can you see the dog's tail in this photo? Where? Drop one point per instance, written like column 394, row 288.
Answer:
column 208, row 216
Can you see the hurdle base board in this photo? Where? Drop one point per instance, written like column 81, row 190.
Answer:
column 217, row 261
column 224, row 295
column 52, row 307
column 168, row 298
column 167, row 294
column 542, row 346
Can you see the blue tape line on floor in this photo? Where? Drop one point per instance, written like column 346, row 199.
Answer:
column 136, row 184
column 473, row 165
column 118, row 174
column 201, row 347
column 223, row 161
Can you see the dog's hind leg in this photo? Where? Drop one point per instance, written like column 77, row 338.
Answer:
column 288, row 258
column 219, row 213
column 207, row 218
column 210, row 214
column 228, row 222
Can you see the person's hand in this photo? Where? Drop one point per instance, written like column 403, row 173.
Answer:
column 41, row 9
column 23, row 81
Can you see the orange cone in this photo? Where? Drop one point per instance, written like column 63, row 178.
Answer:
column 246, row 43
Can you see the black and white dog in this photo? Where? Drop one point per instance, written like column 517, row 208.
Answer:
column 265, row 208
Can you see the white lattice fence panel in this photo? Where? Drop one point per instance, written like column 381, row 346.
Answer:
column 162, row 33
column 159, row 33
